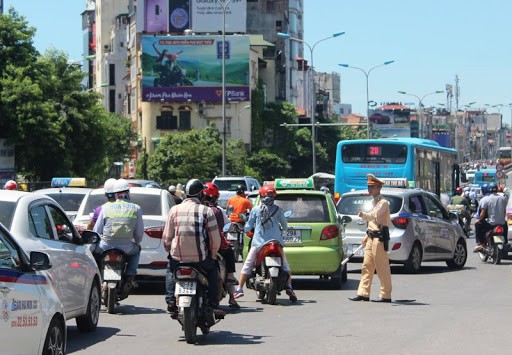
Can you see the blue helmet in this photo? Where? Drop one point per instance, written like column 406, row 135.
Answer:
column 492, row 188
column 484, row 189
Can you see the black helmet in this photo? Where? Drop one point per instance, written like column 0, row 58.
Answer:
column 492, row 188
column 240, row 189
column 194, row 187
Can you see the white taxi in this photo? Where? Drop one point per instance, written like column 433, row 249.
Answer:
column 32, row 319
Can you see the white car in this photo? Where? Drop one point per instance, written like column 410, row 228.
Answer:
column 227, row 187
column 155, row 205
column 33, row 319
column 38, row 223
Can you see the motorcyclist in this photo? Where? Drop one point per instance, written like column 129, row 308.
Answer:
column 211, row 195
column 460, row 199
column 11, row 185
column 269, row 222
column 492, row 213
column 120, row 225
column 172, row 191
column 237, row 205
column 108, row 188
column 191, row 235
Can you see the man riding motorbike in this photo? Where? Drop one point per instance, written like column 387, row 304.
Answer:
column 120, row 225
column 238, row 204
column 460, row 199
column 492, row 213
column 108, row 187
column 191, row 235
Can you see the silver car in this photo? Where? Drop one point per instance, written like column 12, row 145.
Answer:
column 69, row 198
column 155, row 204
column 38, row 223
column 422, row 229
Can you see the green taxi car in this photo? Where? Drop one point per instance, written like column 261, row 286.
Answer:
column 313, row 244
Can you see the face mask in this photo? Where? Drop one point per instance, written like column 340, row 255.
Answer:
column 267, row 200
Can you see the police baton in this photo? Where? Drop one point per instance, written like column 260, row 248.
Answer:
column 351, row 255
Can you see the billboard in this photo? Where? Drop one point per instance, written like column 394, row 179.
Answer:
column 165, row 15
column 208, row 16
column 391, row 123
column 189, row 68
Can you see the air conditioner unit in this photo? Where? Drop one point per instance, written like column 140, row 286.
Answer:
column 201, row 109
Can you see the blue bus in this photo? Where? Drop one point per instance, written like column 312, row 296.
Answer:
column 423, row 162
column 485, row 176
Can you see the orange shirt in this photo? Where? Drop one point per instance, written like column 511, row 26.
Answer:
column 238, row 204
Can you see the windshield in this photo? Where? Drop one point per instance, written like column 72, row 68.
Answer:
column 229, row 185
column 6, row 212
column 304, row 208
column 68, row 201
column 374, row 153
column 150, row 204
column 350, row 205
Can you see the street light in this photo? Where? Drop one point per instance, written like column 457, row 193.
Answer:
column 420, row 102
column 238, row 120
column 367, row 74
column 313, row 98
column 224, row 4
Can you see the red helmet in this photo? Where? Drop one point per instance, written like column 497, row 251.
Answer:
column 211, row 190
column 458, row 190
column 267, row 190
column 11, row 185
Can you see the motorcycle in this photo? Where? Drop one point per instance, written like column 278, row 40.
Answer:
column 171, row 77
column 116, row 286
column 192, row 295
column 495, row 248
column 460, row 210
column 235, row 235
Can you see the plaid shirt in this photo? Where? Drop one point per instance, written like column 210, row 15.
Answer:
column 188, row 225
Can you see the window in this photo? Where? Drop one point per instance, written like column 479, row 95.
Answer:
column 374, row 153
column 166, row 120
column 434, row 208
column 63, row 229
column 39, row 223
column 304, row 208
column 415, row 205
column 9, row 258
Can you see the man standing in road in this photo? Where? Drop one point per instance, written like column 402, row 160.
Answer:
column 375, row 242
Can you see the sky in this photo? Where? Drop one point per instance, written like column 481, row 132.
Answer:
column 430, row 42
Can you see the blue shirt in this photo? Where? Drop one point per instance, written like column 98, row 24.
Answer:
column 272, row 230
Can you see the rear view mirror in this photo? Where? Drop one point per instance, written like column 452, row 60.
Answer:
column 90, row 237
column 346, row 219
column 39, row 261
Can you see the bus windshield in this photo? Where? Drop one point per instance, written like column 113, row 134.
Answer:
column 374, row 153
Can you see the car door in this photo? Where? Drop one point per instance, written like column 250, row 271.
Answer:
column 426, row 227
column 20, row 302
column 71, row 272
column 444, row 228
column 448, row 233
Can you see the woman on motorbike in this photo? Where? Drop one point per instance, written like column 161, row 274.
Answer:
column 269, row 222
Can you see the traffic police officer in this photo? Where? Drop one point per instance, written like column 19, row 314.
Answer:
column 375, row 242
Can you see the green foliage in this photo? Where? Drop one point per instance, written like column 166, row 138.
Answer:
column 57, row 128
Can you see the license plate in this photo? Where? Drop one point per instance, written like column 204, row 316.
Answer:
column 111, row 274
column 353, row 247
column 186, row 287
column 232, row 236
column 293, row 236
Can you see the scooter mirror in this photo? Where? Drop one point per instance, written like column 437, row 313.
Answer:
column 226, row 227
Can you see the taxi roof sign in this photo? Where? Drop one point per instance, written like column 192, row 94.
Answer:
column 395, row 182
column 282, row 184
column 68, row 182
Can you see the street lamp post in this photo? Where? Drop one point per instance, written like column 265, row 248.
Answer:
column 313, row 98
column 224, row 4
column 367, row 74
column 420, row 107
column 238, row 120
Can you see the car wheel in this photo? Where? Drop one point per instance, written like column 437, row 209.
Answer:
column 336, row 278
column 55, row 342
column 89, row 321
column 460, row 256
column 413, row 264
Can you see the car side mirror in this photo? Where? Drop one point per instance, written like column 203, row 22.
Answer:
column 39, row 261
column 453, row 216
column 346, row 219
column 90, row 237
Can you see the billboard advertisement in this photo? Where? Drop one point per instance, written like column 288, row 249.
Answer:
column 166, row 15
column 189, row 68
column 391, row 123
column 208, row 16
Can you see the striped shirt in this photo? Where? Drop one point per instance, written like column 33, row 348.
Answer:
column 188, row 227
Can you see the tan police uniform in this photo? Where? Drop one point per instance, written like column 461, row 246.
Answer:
column 375, row 257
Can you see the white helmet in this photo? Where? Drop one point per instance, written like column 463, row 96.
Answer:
column 172, row 188
column 108, row 186
column 121, row 185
